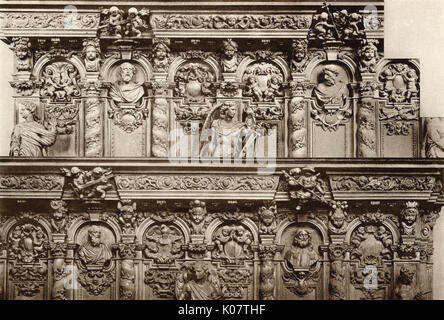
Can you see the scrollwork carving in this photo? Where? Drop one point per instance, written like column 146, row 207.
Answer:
column 60, row 82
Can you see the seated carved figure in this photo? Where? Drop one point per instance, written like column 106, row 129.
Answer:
column 127, row 90
column 30, row 138
column 332, row 90
column 94, row 251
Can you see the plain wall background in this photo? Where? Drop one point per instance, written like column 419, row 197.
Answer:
column 413, row 29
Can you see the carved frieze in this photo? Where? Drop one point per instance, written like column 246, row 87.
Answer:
column 88, row 184
column 229, row 22
column 382, row 183
column 31, row 182
column 178, row 182
column 48, row 20
column 233, row 282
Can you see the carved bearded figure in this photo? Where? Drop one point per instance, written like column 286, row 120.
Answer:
column 94, row 251
column 302, row 253
column 332, row 90
column 30, row 138
column 127, row 90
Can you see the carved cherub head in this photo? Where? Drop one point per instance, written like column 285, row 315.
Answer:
column 21, row 48
column 127, row 72
column 197, row 211
column 267, row 214
column 95, row 234
column 133, row 12
column 114, row 11
column 338, row 215
column 323, row 17
column 410, row 213
column 302, row 238
column 231, row 21
column 369, row 51
column 229, row 48
column 126, row 208
column 299, row 50
column 59, row 207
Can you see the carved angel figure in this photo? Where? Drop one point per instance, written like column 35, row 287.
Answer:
column 27, row 243
column 89, row 183
column 228, row 136
column 29, row 138
column 113, row 22
column 232, row 243
column 163, row 244
column 198, row 281
column 400, row 82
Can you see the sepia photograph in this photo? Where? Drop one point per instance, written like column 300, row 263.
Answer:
column 237, row 151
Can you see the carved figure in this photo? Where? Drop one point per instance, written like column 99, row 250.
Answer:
column 194, row 81
column 230, row 56
column 263, row 82
column 305, row 184
column 267, row 218
column 408, row 217
column 94, row 251
column 233, row 243
column 127, row 90
column 228, row 137
column 27, row 243
column 30, row 138
column 161, row 56
column 91, row 54
column 127, row 215
column 337, row 218
column 368, row 56
column 197, row 216
column 114, row 22
column 135, row 24
column 21, row 48
column 298, row 55
column 89, row 183
column 400, row 82
column 434, row 138
column 322, row 29
column 58, row 221
column 331, row 90
column 302, row 253
column 198, row 281
column 405, row 288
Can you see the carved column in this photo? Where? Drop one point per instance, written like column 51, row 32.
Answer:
column 58, row 253
column 160, row 141
column 127, row 271
column 267, row 287
column 366, row 121
column 94, row 121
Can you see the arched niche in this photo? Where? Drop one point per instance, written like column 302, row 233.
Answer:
column 47, row 59
column 11, row 223
column 314, row 224
column 148, row 223
column 108, row 235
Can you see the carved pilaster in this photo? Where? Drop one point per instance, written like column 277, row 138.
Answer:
column 160, row 146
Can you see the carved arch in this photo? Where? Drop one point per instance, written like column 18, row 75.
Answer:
column 319, row 226
column 73, row 231
column 179, row 61
column 13, row 221
column 247, row 61
column 391, row 226
column 111, row 63
column 46, row 59
column 216, row 223
column 147, row 223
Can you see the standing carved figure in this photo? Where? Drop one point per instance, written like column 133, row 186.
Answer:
column 127, row 90
column 30, row 138
column 229, row 137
